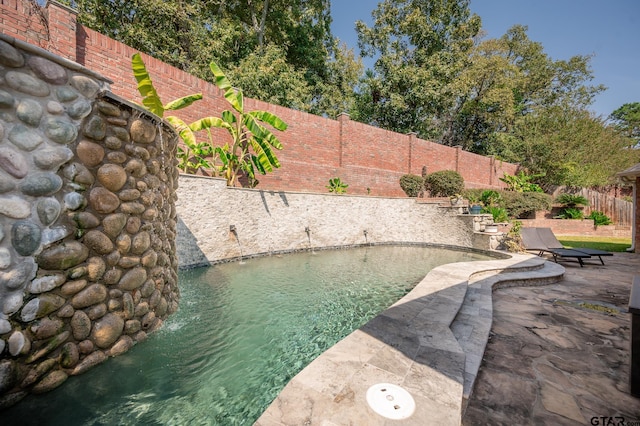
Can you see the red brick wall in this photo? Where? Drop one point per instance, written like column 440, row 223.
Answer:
column 21, row 20
column 574, row 227
column 369, row 159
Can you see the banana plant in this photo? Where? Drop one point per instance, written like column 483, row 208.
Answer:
column 150, row 99
column 252, row 145
column 195, row 156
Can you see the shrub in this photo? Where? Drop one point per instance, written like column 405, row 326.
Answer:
column 521, row 182
column 572, row 200
column 490, row 197
column 473, row 195
column 337, row 186
column 521, row 204
column 499, row 213
column 599, row 218
column 444, row 183
column 571, row 213
column 513, row 239
column 517, row 204
column 412, row 185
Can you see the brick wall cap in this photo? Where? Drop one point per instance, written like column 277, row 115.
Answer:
column 61, row 6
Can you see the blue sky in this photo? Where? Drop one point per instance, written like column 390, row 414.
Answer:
column 609, row 30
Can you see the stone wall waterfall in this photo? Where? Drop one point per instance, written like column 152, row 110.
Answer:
column 87, row 221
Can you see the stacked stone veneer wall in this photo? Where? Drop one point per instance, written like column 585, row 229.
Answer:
column 217, row 223
column 316, row 149
column 87, row 221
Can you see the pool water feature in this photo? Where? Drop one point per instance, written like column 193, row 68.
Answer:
column 241, row 333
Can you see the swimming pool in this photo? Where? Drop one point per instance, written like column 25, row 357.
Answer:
column 241, row 333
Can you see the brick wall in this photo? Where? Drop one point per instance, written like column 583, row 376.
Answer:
column 22, row 20
column 582, row 227
column 369, row 159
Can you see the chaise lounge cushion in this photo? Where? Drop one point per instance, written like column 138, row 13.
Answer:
column 533, row 242
column 549, row 239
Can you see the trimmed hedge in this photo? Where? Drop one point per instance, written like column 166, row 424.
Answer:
column 412, row 185
column 517, row 204
column 444, row 183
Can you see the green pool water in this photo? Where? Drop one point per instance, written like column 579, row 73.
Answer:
column 241, row 333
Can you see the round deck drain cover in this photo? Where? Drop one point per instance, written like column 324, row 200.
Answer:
column 391, row 401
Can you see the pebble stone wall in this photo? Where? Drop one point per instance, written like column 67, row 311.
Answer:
column 87, row 221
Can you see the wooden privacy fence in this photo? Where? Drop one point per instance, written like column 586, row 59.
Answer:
column 619, row 211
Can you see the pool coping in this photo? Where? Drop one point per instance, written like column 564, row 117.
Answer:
column 430, row 343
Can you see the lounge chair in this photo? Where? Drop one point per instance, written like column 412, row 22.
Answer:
column 549, row 239
column 532, row 242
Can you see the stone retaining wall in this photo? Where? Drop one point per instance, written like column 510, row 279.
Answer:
column 218, row 223
column 87, row 221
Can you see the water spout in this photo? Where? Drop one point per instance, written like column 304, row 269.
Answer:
column 308, row 231
column 232, row 229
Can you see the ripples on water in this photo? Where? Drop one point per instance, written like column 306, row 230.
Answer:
column 241, row 333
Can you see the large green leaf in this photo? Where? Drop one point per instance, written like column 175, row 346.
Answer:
column 186, row 134
column 220, row 79
column 209, row 122
column 253, row 126
column 258, row 165
column 229, row 117
column 270, row 119
column 261, row 159
column 266, row 156
column 150, row 98
column 272, row 140
column 223, row 155
column 183, row 102
column 233, row 96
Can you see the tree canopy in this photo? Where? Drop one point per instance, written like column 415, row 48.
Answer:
column 421, row 47
column 434, row 73
column 627, row 120
column 242, row 36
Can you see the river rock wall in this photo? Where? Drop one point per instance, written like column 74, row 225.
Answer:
column 87, row 221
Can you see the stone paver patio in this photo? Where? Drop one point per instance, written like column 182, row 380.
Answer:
column 559, row 354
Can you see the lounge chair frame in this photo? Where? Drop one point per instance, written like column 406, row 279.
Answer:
column 533, row 242
column 549, row 239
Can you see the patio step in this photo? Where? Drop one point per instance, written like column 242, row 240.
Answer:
column 473, row 321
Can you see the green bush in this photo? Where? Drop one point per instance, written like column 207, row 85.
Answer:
column 517, row 204
column 571, row 213
column 491, row 197
column 499, row 213
column 599, row 218
column 473, row 195
column 412, row 185
column 444, row 183
column 521, row 182
column 521, row 204
column 337, row 186
column 572, row 200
